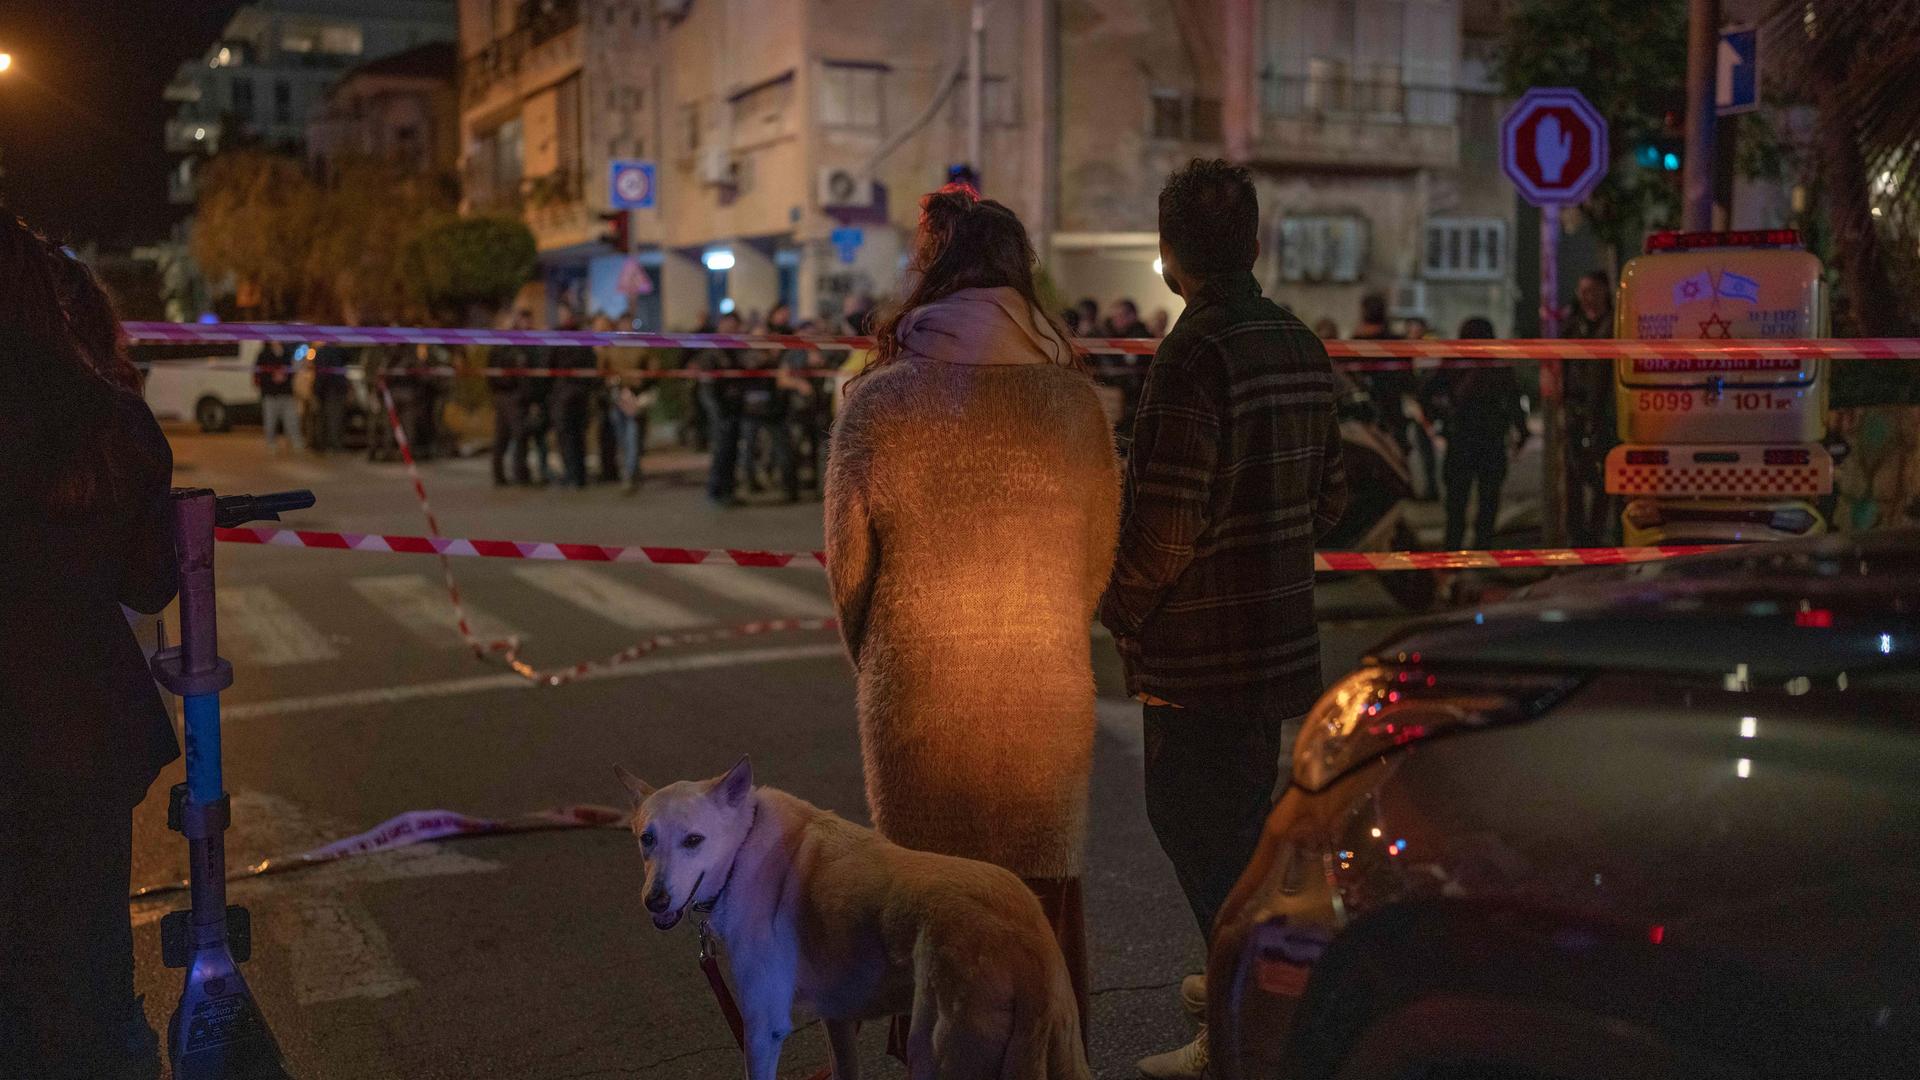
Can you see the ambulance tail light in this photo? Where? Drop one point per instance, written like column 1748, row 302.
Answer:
column 1788, row 457
column 1644, row 514
column 1647, row 457
column 1797, row 522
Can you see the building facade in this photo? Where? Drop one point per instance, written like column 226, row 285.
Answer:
column 1370, row 126
column 272, row 66
column 790, row 140
column 404, row 109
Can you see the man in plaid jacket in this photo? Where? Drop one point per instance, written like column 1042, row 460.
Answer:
column 1235, row 471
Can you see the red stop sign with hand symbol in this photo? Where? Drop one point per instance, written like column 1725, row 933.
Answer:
column 1553, row 146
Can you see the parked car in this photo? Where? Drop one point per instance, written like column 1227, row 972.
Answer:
column 214, row 390
column 1658, row 821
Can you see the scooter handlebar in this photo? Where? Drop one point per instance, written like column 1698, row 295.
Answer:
column 231, row 511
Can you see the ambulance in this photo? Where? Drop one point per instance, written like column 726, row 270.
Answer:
column 1721, row 449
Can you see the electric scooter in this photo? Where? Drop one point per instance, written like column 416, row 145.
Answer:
column 217, row 1031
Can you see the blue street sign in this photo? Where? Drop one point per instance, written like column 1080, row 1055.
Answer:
column 848, row 241
column 1736, row 85
column 630, row 185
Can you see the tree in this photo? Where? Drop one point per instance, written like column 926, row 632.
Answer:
column 1629, row 58
column 258, row 214
column 1858, row 62
column 461, row 263
column 370, row 211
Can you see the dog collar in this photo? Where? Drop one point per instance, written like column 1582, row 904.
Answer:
column 707, row 907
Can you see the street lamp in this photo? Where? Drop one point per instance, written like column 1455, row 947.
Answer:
column 6, row 62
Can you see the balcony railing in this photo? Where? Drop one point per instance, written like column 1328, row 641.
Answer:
column 538, row 22
column 1340, row 99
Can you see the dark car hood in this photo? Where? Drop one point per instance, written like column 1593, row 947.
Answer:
column 1767, row 613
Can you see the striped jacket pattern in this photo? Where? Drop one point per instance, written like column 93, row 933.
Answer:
column 1235, row 471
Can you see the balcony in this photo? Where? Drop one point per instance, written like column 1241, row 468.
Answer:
column 546, row 38
column 1335, row 121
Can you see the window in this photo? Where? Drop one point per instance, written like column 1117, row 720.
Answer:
column 690, row 127
column 1465, row 249
column 1361, row 60
column 1328, row 248
column 850, row 95
column 282, row 102
column 1185, row 117
column 241, row 91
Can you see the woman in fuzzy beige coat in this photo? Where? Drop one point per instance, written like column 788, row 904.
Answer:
column 971, row 506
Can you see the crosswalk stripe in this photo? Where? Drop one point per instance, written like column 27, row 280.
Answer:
column 259, row 629
column 762, row 592
column 612, row 599
column 420, row 604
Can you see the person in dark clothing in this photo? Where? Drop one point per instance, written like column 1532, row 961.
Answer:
column 393, row 368
column 1481, row 406
column 273, row 376
column 723, row 401
column 85, row 526
column 568, row 399
column 510, row 407
column 1590, row 416
column 332, row 392
column 765, row 409
column 1235, row 471
column 600, row 405
column 1125, row 322
column 1390, row 388
column 536, row 392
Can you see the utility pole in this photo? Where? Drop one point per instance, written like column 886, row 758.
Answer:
column 976, row 83
column 1703, row 38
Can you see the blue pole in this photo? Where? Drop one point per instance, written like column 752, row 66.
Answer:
column 204, row 783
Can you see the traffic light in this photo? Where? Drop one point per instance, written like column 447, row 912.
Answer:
column 1661, row 152
column 617, row 235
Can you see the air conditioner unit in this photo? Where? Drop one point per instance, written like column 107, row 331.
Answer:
column 717, row 167
column 842, row 188
column 1408, row 300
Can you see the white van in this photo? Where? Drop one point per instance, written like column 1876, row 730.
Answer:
column 215, row 391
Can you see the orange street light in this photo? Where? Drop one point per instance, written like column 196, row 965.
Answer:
column 6, row 62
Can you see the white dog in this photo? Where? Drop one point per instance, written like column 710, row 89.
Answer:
column 818, row 911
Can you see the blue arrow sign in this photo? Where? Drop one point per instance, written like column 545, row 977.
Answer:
column 1736, row 86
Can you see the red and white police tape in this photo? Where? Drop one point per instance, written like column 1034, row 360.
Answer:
column 415, row 827
column 509, row 648
column 1327, row 561
column 164, row 333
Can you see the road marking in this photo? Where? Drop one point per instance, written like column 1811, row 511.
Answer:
column 420, row 605
column 259, row 629
column 759, row 591
column 333, row 948
column 390, row 695
column 611, row 599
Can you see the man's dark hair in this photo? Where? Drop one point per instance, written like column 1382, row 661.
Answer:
column 1373, row 308
column 1476, row 327
column 1131, row 308
column 1210, row 218
column 1599, row 276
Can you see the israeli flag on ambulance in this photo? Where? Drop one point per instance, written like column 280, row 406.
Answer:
column 1735, row 287
column 1692, row 289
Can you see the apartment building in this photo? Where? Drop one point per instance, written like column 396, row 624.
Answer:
column 790, row 140
column 272, row 66
column 1370, row 126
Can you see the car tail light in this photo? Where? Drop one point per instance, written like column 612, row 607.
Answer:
column 1789, row 456
column 1377, row 710
column 1646, row 457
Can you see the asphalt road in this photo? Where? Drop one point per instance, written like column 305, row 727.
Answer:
column 529, row 955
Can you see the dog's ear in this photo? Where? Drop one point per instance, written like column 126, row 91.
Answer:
column 733, row 788
column 640, row 788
